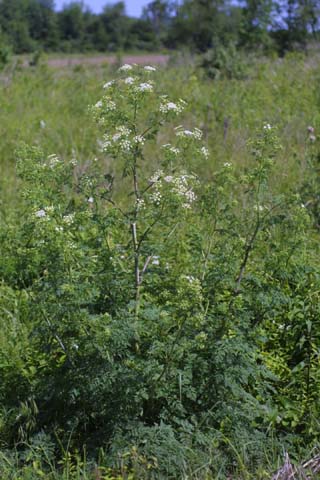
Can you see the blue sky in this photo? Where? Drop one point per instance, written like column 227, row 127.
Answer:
column 134, row 7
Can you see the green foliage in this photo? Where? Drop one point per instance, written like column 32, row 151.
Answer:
column 225, row 62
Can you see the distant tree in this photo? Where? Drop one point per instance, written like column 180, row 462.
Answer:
column 158, row 14
column 42, row 23
column 116, row 24
column 141, row 36
column 256, row 23
column 201, row 24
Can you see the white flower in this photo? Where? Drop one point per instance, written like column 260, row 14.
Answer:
column 312, row 138
column 110, row 105
column 108, row 84
column 156, row 176
column 40, row 213
column 125, row 68
column 139, row 139
column 68, row 219
column 155, row 260
column 168, row 178
column 227, row 165
column 156, row 197
column 167, row 106
column 190, row 278
column 148, row 68
column 98, row 104
column 140, row 204
column 145, row 87
column 258, row 208
column 129, row 80
column 205, row 152
column 169, row 148
column 267, row 126
column 196, row 133
column 42, row 124
column 90, row 200
column 53, row 160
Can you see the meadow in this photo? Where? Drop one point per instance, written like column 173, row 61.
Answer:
column 160, row 282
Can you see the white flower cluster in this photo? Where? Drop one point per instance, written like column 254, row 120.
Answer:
column 148, row 68
column 139, row 140
column 258, row 208
column 44, row 212
column 120, row 140
column 141, row 204
column 170, row 149
column 125, row 68
column 196, row 133
column 40, row 213
column 129, row 80
column 170, row 107
column 267, row 126
column 107, row 104
column 180, row 187
column 156, row 176
column 68, row 219
column 205, row 152
column 53, row 160
column 145, row 87
column 109, row 84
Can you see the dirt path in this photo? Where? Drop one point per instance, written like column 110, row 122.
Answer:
column 99, row 60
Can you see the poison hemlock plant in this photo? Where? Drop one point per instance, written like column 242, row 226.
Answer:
column 149, row 322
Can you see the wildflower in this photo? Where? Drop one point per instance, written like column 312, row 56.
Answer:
column 258, row 208
column 155, row 260
column 69, row 219
column 156, row 176
column 42, row 124
column 129, row 80
column 227, row 165
column 169, row 148
column 125, row 68
column 90, row 200
column 156, row 197
column 40, row 213
column 196, row 133
column 166, row 107
column 108, row 84
column 190, row 278
column 98, row 104
column 148, row 68
column 168, row 178
column 145, row 87
column 110, row 105
column 205, row 152
column 53, row 160
column 139, row 139
column 140, row 204
column 310, row 129
column 267, row 126
column 312, row 138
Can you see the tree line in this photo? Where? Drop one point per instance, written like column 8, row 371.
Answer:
column 29, row 25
